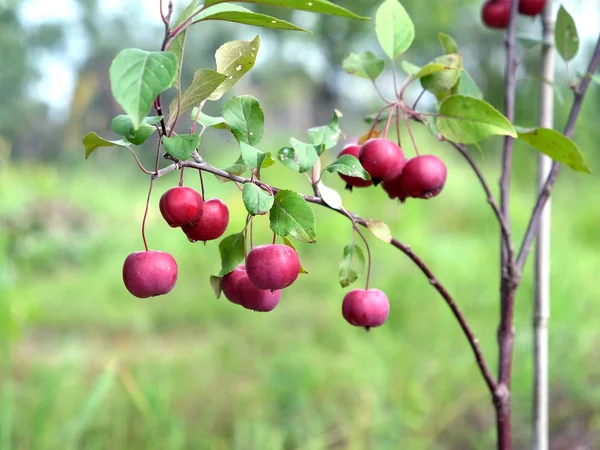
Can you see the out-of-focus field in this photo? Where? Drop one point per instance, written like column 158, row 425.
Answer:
column 92, row 367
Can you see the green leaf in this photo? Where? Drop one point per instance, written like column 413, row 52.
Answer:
column 409, row 68
column 123, row 126
column 181, row 146
column 232, row 253
column 395, row 31
column 292, row 215
column 234, row 60
column 209, row 121
column 366, row 65
column 253, row 158
column 380, row 230
column 216, row 285
column 349, row 165
column 178, row 44
column 237, row 168
column 315, row 6
column 529, row 42
column 287, row 242
column 441, row 82
column 557, row 146
column 448, row 44
column 467, row 120
column 565, row 35
column 256, row 200
column 301, row 156
column 92, row 142
column 329, row 135
column 239, row 14
column 137, row 77
column 246, row 119
column 330, row 196
column 352, row 265
column 205, row 82
column 467, row 86
column 369, row 119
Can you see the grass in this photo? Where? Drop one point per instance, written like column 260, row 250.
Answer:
column 91, row 367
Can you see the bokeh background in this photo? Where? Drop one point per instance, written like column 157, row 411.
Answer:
column 87, row 366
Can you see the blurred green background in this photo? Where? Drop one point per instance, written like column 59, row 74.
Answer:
column 87, row 366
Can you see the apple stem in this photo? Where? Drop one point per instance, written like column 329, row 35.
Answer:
column 368, row 255
column 251, row 233
column 181, row 177
column 418, row 99
column 245, row 233
column 274, row 238
column 376, row 121
column 398, row 126
column 387, row 124
column 146, row 213
column 412, row 137
column 201, row 185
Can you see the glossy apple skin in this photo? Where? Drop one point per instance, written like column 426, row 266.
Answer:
column 212, row 223
column 272, row 266
column 382, row 159
column 496, row 14
column 181, row 205
column 365, row 308
column 151, row 273
column 394, row 189
column 352, row 182
column 256, row 299
column 531, row 7
column 230, row 281
column 424, row 177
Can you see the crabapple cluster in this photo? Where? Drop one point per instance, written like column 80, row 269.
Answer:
column 496, row 13
column 152, row 273
column 423, row 176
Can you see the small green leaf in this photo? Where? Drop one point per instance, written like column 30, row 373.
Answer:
column 209, row 121
column 300, row 156
column 239, row 14
column 440, row 82
column 237, row 168
column 178, row 44
column 409, row 68
column 529, row 42
column 467, row 120
column 329, row 135
column 315, row 6
column 216, row 285
column 253, row 158
column 330, row 196
column 137, row 77
column 395, row 31
column 349, row 165
column 287, row 242
column 369, row 119
column 234, row 60
column 565, row 35
column 448, row 44
column 246, row 119
column 467, row 86
column 256, row 201
column 269, row 161
column 181, row 146
column 352, row 265
column 205, row 82
column 232, row 253
column 366, row 65
column 292, row 215
column 557, row 146
column 92, row 142
column 123, row 126
column 380, row 230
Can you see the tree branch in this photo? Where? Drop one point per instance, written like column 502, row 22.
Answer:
column 534, row 222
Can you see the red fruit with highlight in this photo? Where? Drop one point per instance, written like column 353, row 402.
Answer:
column 230, row 281
column 256, row 299
column 531, row 7
column 180, row 206
column 424, row 176
column 148, row 274
column 382, row 159
column 366, row 308
column 273, row 266
column 352, row 182
column 496, row 13
column 211, row 224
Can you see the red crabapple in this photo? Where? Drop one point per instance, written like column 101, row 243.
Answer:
column 273, row 266
column 211, row 224
column 496, row 13
column 229, row 283
column 256, row 299
column 382, row 159
column 149, row 273
column 424, row 176
column 352, row 182
column 365, row 308
column 180, row 206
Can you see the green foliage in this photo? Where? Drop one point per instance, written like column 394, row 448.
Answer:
column 292, row 216
column 92, row 142
column 181, row 146
column 301, row 156
column 216, row 284
column 254, row 158
column 366, row 65
column 440, row 81
column 409, row 68
column 557, row 146
column 352, row 265
column 123, row 126
column 137, row 77
column 349, row 165
column 245, row 118
column 395, row 30
column 231, row 250
column 565, row 34
column 234, row 60
column 468, row 120
column 209, row 121
column 256, row 200
column 327, row 135
column 448, row 43
column 237, row 168
column 239, row 14
column 178, row 44
column 468, row 87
